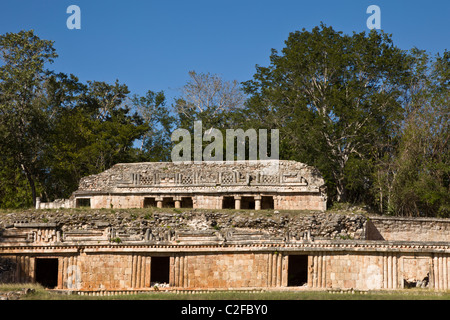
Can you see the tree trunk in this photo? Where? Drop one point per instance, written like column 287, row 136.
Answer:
column 340, row 190
column 31, row 183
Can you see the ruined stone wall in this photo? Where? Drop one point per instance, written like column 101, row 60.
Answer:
column 300, row 202
column 120, row 269
column 104, row 225
column 387, row 271
column 408, row 229
column 293, row 185
column 361, row 271
column 107, row 272
column 9, row 268
column 99, row 250
column 207, row 201
column 230, row 270
column 128, row 201
column 206, row 174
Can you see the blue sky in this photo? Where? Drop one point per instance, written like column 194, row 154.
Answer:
column 151, row 45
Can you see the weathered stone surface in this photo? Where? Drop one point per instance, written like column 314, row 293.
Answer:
column 142, row 225
column 121, row 250
column 286, row 185
column 409, row 229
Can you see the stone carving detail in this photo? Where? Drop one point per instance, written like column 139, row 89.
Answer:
column 185, row 179
column 227, row 177
column 171, row 174
column 224, row 178
column 272, row 179
column 146, row 180
column 293, row 177
column 42, row 235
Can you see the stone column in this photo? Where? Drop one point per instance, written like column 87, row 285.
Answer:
column 177, row 202
column 237, row 202
column 159, row 202
column 38, row 203
column 257, row 202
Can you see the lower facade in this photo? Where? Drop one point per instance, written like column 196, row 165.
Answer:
column 355, row 265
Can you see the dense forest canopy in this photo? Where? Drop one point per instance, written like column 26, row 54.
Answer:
column 373, row 118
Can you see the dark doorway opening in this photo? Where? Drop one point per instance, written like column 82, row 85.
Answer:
column 228, row 203
column 47, row 272
column 168, row 203
column 267, row 203
column 149, row 202
column 186, row 202
column 160, row 267
column 83, row 203
column 248, row 203
column 297, row 270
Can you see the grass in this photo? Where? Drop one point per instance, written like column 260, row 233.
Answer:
column 40, row 293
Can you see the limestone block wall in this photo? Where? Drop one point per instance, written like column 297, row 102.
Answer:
column 16, row 268
column 99, row 270
column 208, row 201
column 387, row 271
column 106, row 272
column 115, row 201
column 360, row 272
column 234, row 270
column 408, row 229
column 109, row 272
column 300, row 202
column 93, row 272
column 57, row 204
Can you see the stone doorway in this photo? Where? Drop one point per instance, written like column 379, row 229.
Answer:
column 149, row 202
column 160, row 270
column 248, row 203
column 46, row 272
column 267, row 203
column 168, row 203
column 228, row 203
column 83, row 203
column 186, row 202
column 297, row 270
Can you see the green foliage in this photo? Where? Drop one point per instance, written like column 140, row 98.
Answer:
column 334, row 98
column 156, row 144
column 94, row 133
column 371, row 117
column 14, row 190
column 24, row 118
column 415, row 179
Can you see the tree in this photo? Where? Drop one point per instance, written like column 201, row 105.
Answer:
column 155, row 143
column 418, row 182
column 23, row 116
column 14, row 188
column 92, row 129
column 333, row 97
column 210, row 99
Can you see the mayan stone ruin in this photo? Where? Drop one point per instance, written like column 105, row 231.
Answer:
column 279, row 185
column 215, row 226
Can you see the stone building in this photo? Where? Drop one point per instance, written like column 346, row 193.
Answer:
column 279, row 185
column 111, row 248
column 94, row 254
